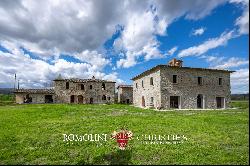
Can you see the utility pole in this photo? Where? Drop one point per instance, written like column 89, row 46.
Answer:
column 15, row 82
column 18, row 84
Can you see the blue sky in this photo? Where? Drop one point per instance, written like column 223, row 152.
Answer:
column 82, row 39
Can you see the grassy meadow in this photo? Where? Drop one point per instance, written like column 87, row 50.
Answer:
column 33, row 134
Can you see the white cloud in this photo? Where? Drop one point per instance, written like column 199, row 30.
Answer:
column 225, row 63
column 207, row 45
column 94, row 58
column 172, row 50
column 231, row 62
column 138, row 38
column 50, row 27
column 243, row 21
column 240, row 78
column 128, row 62
column 78, row 28
column 240, row 81
column 198, row 32
column 34, row 73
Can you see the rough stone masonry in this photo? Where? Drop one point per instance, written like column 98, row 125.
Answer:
column 162, row 87
column 81, row 91
column 177, row 87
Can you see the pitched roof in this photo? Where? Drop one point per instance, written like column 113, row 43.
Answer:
column 78, row 80
column 185, row 68
column 125, row 86
column 38, row 91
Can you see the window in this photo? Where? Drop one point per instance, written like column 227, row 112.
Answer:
column 151, row 81
column 199, row 80
column 136, row 85
column 103, row 97
column 108, row 98
column 103, row 86
column 82, row 87
column 152, row 99
column 142, row 84
column 175, row 79
column 90, row 87
column 220, row 81
column 67, row 85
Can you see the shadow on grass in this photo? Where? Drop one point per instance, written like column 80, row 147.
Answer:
column 119, row 157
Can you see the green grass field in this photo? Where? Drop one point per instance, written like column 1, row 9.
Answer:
column 33, row 134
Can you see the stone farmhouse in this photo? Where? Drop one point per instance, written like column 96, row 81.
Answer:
column 125, row 94
column 178, row 87
column 81, row 91
column 161, row 87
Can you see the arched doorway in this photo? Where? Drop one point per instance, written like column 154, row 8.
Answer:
column 143, row 101
column 127, row 101
column 80, row 99
column 200, row 101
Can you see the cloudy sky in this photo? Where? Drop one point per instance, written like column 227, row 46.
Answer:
column 118, row 39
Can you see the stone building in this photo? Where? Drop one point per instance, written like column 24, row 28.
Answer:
column 35, row 96
column 125, row 94
column 81, row 91
column 174, row 86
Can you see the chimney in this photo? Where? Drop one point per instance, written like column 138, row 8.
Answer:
column 175, row 62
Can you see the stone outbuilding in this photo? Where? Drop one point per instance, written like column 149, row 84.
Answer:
column 125, row 94
column 35, row 96
column 178, row 87
column 81, row 91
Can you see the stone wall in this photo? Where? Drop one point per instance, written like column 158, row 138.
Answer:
column 86, row 95
column 187, row 87
column 147, row 91
column 36, row 98
column 125, row 94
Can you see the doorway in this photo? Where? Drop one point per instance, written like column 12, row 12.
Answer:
column 91, row 101
column 48, row 99
column 200, row 101
column 143, row 101
column 27, row 99
column 127, row 101
column 80, row 99
column 220, row 102
column 174, row 101
column 72, row 99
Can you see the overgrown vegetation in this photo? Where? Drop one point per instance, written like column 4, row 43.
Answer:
column 6, row 99
column 33, row 134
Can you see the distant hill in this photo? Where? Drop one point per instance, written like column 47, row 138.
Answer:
column 240, row 96
column 6, row 90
